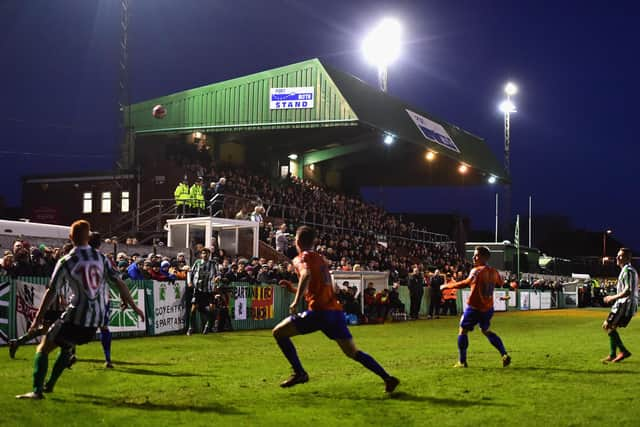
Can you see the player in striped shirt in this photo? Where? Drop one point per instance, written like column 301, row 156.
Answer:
column 86, row 271
column 625, row 305
column 200, row 279
column 479, row 310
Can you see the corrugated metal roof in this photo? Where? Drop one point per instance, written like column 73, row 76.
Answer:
column 341, row 99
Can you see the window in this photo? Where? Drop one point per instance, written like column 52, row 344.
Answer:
column 87, row 203
column 124, row 201
column 106, row 202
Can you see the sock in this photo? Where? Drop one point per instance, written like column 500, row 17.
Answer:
column 612, row 345
column 40, row 366
column 371, row 364
column 105, row 339
column 618, row 340
column 26, row 337
column 192, row 320
column 497, row 343
column 290, row 353
column 58, row 368
column 463, row 343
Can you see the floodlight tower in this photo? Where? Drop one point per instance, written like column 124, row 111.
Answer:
column 381, row 47
column 123, row 89
column 508, row 107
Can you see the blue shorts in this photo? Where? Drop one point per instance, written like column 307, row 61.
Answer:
column 331, row 322
column 472, row 317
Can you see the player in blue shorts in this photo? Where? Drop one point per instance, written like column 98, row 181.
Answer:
column 324, row 313
column 479, row 311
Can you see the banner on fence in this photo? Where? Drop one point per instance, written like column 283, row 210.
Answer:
column 126, row 320
column 534, row 300
column 499, row 301
column 513, row 299
column 28, row 299
column 524, row 300
column 545, row 300
column 253, row 302
column 5, row 306
column 167, row 314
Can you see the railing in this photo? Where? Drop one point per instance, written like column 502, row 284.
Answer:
column 152, row 216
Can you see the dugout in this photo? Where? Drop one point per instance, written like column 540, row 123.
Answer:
column 236, row 237
column 360, row 279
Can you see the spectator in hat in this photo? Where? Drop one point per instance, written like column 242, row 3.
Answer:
column 182, row 197
column 197, row 197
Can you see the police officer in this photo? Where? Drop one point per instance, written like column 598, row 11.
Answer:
column 181, row 195
column 197, row 197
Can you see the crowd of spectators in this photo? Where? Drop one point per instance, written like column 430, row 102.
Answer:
column 351, row 232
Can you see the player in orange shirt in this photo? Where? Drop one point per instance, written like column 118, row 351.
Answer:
column 324, row 313
column 479, row 310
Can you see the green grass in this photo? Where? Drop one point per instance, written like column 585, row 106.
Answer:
column 232, row 379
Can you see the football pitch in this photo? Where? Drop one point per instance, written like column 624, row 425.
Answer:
column 556, row 379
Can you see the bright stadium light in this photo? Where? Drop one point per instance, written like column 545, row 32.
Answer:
column 388, row 139
column 507, row 106
column 381, row 47
column 463, row 169
column 293, row 156
column 430, row 156
column 492, row 179
column 510, row 89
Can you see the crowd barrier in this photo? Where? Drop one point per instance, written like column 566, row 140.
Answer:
column 250, row 306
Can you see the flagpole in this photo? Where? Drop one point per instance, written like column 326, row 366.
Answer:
column 517, row 242
column 530, row 222
column 496, row 237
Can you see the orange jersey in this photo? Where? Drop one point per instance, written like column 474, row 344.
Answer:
column 483, row 280
column 319, row 294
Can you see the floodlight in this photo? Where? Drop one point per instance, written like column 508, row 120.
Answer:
column 492, row 179
column 507, row 106
column 510, row 89
column 388, row 139
column 430, row 156
column 381, row 46
column 293, row 156
column 463, row 169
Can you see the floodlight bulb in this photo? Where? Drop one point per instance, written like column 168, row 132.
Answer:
column 510, row 89
column 293, row 156
column 507, row 106
column 381, row 46
column 430, row 156
column 492, row 179
column 463, row 169
column 388, row 139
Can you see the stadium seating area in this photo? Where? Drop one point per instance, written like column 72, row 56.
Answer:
column 351, row 232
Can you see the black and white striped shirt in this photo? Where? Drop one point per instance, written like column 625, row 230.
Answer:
column 87, row 273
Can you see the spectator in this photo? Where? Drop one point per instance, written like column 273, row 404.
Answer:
column 242, row 214
column 182, row 197
column 416, row 292
column 435, row 294
column 282, row 239
column 256, row 215
column 197, row 197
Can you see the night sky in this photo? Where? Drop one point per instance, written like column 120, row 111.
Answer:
column 576, row 63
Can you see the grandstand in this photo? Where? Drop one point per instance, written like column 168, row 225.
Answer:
column 304, row 160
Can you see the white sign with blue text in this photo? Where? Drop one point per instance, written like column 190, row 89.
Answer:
column 283, row 98
column 433, row 131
